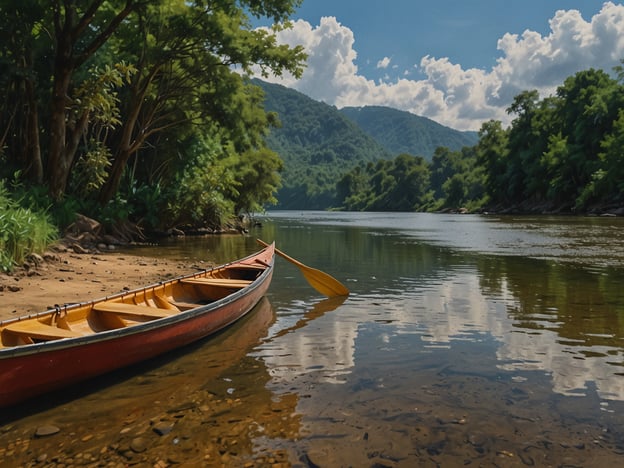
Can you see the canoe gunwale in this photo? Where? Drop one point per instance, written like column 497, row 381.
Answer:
column 139, row 328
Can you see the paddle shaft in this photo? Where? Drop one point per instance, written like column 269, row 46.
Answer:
column 283, row 255
column 319, row 280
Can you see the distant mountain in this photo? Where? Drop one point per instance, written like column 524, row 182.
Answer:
column 404, row 132
column 318, row 145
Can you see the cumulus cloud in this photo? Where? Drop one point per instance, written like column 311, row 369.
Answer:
column 384, row 62
column 448, row 93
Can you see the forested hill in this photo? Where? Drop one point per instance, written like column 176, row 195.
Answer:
column 317, row 144
column 403, row 132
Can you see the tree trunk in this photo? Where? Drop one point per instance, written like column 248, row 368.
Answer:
column 109, row 189
column 126, row 146
column 34, row 165
column 58, row 164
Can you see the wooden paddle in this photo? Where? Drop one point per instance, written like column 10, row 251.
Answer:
column 319, row 280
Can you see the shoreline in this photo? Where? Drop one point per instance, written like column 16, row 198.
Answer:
column 65, row 275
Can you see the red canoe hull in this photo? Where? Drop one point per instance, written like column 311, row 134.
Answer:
column 28, row 371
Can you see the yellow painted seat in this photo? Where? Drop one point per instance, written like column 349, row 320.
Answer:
column 132, row 311
column 40, row 331
column 185, row 305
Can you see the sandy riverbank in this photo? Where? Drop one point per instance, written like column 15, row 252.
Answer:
column 67, row 276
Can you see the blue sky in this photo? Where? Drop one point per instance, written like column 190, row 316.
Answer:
column 465, row 31
column 457, row 62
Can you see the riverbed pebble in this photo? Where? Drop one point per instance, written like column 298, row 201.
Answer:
column 163, row 428
column 48, row 430
column 138, row 445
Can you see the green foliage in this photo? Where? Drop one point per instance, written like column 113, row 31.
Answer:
column 91, row 169
column 444, row 164
column 607, row 181
column 401, row 184
column 612, row 156
column 257, row 176
column 560, row 153
column 34, row 197
column 148, row 202
column 97, row 96
column 64, row 211
column 22, row 231
column 142, row 204
column 104, row 131
column 117, row 209
column 452, row 180
column 492, row 157
column 199, row 196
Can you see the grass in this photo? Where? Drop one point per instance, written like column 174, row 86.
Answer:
column 22, row 231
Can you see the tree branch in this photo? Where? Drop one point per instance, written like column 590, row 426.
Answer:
column 101, row 38
column 86, row 18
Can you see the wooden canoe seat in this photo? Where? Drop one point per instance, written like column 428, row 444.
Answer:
column 40, row 331
column 132, row 311
column 184, row 305
column 219, row 282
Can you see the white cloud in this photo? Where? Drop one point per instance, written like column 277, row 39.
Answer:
column 457, row 97
column 384, row 62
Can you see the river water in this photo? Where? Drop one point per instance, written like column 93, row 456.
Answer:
column 466, row 340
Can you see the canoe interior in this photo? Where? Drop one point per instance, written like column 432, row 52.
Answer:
column 129, row 309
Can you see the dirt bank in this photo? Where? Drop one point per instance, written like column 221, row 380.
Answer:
column 66, row 275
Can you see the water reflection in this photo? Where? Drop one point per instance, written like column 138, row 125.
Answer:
column 464, row 339
column 325, row 349
column 316, row 311
column 212, row 249
column 557, row 317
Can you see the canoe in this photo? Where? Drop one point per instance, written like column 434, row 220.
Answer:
column 71, row 343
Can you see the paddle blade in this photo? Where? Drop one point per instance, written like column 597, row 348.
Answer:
column 324, row 283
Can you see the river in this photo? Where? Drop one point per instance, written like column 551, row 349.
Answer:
column 466, row 340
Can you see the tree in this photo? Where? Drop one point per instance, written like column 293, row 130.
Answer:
column 79, row 32
column 58, row 54
column 185, row 57
column 257, row 179
column 520, row 150
column 444, row 164
column 607, row 182
column 563, row 150
column 589, row 104
column 456, row 190
column 23, row 39
column 401, row 184
column 350, row 187
column 492, row 156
